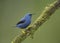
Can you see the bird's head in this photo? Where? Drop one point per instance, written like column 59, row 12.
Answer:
column 29, row 14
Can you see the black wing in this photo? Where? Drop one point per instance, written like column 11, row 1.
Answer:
column 23, row 21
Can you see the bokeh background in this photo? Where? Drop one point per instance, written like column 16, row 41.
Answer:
column 11, row 11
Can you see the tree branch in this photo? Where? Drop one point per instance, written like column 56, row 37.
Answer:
column 48, row 11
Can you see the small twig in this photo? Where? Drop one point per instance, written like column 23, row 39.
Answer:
column 49, row 10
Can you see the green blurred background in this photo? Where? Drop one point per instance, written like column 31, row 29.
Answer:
column 11, row 11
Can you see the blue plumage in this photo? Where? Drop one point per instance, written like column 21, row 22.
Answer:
column 25, row 21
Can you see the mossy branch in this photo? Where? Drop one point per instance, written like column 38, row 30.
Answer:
column 48, row 11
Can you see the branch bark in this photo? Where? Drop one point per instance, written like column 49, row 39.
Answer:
column 30, row 30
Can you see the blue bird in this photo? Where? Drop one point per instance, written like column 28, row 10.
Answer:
column 24, row 22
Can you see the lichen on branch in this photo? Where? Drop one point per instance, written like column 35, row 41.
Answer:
column 30, row 30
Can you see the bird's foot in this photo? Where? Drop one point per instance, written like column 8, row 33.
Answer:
column 23, row 31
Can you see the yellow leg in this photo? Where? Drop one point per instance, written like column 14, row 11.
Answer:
column 23, row 31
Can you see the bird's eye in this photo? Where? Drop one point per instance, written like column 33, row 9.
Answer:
column 30, row 14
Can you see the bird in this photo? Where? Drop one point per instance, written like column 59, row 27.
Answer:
column 24, row 22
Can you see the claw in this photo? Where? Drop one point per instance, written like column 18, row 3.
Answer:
column 23, row 32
